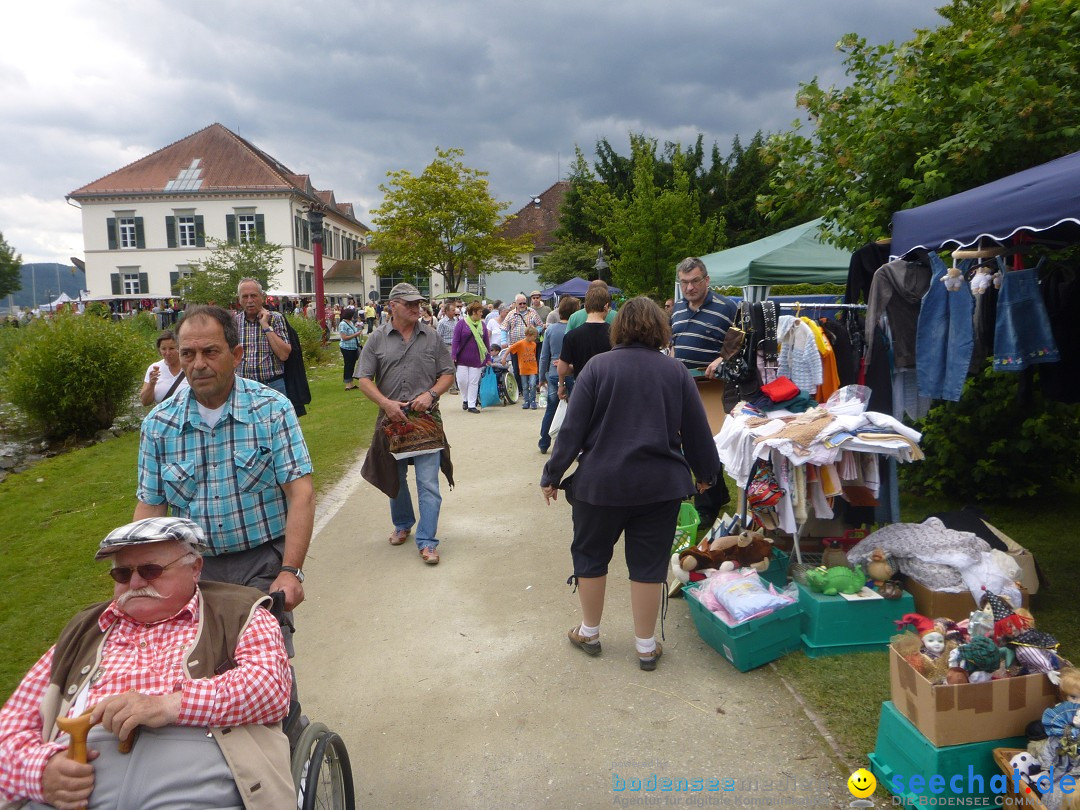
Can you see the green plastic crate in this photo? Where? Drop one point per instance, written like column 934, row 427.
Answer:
column 686, row 528
column 776, row 573
column 902, row 751
column 750, row 644
column 832, row 625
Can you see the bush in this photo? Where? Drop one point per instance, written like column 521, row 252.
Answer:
column 997, row 444
column 74, row 375
column 310, row 339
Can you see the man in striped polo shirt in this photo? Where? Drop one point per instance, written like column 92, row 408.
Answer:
column 699, row 323
column 700, row 320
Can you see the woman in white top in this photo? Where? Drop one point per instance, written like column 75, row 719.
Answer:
column 160, row 380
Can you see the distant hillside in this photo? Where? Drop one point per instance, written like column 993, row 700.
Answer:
column 49, row 279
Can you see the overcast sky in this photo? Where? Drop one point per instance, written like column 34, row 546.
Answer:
column 347, row 91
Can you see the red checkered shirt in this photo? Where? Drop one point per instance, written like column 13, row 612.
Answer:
column 148, row 658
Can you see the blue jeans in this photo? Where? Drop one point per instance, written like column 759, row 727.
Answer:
column 552, row 404
column 1022, row 334
column 529, row 389
column 278, row 385
column 427, row 492
column 945, row 338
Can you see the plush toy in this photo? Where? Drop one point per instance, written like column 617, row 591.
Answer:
column 879, row 567
column 981, row 282
column 890, row 590
column 708, row 554
column 753, row 550
column 953, row 279
column 832, row 581
column 834, row 555
column 1007, row 622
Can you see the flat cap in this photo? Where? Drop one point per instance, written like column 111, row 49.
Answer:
column 405, row 292
column 152, row 530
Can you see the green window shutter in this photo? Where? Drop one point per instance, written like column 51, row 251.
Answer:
column 174, row 281
column 111, row 222
column 170, row 230
column 260, row 227
column 115, row 279
column 230, row 228
column 200, row 232
column 144, row 284
column 140, row 234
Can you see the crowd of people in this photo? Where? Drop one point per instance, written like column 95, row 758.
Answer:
column 224, row 514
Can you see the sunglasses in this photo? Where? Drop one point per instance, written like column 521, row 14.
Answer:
column 148, row 571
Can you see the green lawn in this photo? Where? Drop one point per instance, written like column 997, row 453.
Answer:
column 56, row 513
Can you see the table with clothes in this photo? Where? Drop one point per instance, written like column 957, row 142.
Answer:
column 795, row 465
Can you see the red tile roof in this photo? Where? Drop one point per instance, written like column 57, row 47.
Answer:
column 540, row 217
column 213, row 160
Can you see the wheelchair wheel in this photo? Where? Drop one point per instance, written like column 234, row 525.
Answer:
column 510, row 388
column 325, row 775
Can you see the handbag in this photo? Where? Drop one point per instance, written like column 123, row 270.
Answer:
column 739, row 367
column 420, row 434
column 763, row 489
column 557, row 419
column 489, row 388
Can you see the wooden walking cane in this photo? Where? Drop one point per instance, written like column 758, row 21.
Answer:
column 78, row 728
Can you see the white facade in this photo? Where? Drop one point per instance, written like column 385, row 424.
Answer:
column 127, row 239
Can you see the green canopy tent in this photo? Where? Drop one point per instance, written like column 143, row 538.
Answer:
column 794, row 256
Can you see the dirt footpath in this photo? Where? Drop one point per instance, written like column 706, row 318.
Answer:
column 455, row 686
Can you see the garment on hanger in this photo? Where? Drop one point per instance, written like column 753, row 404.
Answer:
column 1022, row 335
column 864, row 263
column 897, row 291
column 1061, row 294
column 846, row 361
column 830, row 380
column 800, row 360
column 944, row 339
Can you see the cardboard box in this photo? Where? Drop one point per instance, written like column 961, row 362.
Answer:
column 968, row 712
column 712, row 397
column 942, row 605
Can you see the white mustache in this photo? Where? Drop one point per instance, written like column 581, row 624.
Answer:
column 147, row 591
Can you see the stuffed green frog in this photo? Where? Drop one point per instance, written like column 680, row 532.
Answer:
column 836, row 580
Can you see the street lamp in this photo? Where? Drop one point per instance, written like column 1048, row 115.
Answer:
column 600, row 265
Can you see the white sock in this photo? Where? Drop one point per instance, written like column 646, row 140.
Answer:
column 645, row 645
column 589, row 632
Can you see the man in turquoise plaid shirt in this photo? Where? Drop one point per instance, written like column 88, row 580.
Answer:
column 228, row 454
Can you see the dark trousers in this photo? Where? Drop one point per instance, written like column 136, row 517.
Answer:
column 349, row 356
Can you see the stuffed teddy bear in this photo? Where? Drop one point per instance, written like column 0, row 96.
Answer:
column 753, row 550
column 708, row 554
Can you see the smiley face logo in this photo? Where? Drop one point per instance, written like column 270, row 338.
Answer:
column 861, row 783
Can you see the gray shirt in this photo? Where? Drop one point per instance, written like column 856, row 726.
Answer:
column 403, row 371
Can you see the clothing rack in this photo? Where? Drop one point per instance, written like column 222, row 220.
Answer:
column 814, row 305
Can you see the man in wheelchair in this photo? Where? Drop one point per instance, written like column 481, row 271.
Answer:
column 199, row 670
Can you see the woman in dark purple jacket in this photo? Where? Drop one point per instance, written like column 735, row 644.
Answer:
column 637, row 421
column 469, row 351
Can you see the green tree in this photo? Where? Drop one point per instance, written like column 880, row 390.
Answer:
column 568, row 259
column 652, row 228
column 444, row 221
column 10, row 266
column 216, row 277
column 989, row 93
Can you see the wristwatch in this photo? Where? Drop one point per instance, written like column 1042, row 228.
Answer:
column 296, row 572
column 433, row 395
column 267, row 329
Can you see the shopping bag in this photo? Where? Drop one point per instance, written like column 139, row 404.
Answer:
column 420, row 434
column 489, row 388
column 557, row 419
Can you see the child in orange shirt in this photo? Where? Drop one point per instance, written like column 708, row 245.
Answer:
column 525, row 349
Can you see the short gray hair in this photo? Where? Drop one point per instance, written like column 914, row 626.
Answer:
column 248, row 280
column 690, row 264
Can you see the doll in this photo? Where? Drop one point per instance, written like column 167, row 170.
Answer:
column 931, row 658
column 1062, row 725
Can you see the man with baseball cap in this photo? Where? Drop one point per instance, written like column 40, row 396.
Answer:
column 406, row 366
column 168, row 656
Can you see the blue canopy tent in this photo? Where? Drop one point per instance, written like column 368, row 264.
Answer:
column 1039, row 199
column 575, row 287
